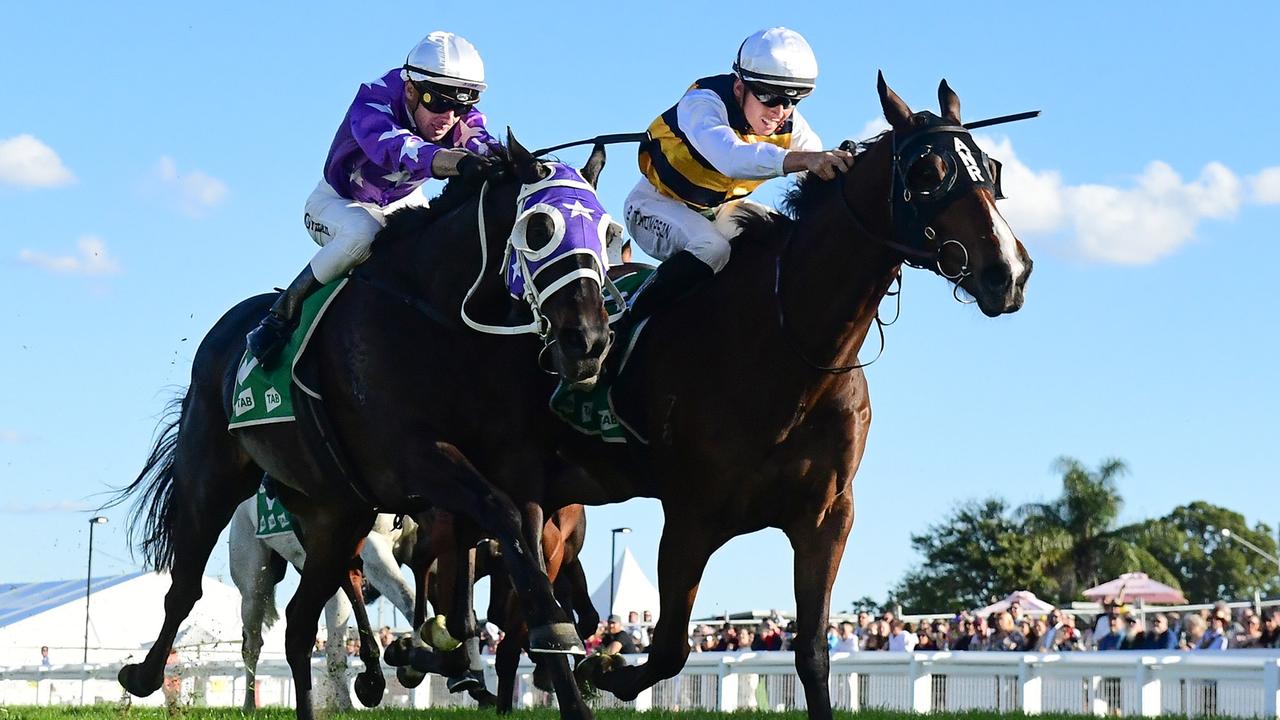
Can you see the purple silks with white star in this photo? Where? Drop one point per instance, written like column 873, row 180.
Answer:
column 376, row 156
column 581, row 227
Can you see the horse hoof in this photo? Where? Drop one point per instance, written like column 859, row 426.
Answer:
column 556, row 639
column 409, row 677
column 435, row 634
column 129, row 680
column 369, row 688
column 485, row 699
column 398, row 653
column 588, row 674
column 471, row 680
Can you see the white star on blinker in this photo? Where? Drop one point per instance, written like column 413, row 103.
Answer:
column 578, row 209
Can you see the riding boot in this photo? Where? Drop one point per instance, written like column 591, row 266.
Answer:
column 675, row 278
column 269, row 338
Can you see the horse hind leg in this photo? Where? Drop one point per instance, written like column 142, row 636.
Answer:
column 370, row 684
column 196, row 481
column 255, row 571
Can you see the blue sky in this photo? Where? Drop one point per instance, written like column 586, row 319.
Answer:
column 154, row 160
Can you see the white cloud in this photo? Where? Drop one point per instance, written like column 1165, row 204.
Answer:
column 27, row 162
column 1142, row 222
column 195, row 192
column 9, row 437
column 92, row 259
column 1266, row 186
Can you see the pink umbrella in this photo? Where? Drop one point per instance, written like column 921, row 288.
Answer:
column 1136, row 586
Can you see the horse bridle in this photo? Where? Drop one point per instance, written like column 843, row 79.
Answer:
column 965, row 166
column 534, row 291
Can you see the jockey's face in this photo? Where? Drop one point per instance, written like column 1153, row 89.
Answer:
column 432, row 126
column 764, row 120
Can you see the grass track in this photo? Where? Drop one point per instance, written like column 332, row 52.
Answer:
column 108, row 712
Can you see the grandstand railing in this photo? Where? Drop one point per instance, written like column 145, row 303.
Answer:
column 1235, row 683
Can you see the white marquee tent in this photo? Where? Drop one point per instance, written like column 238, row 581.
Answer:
column 126, row 612
column 632, row 590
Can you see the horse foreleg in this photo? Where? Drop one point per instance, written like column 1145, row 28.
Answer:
column 337, row 612
column 370, row 684
column 682, row 556
column 331, row 540
column 818, row 549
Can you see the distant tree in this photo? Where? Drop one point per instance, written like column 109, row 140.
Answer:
column 1075, row 538
column 1209, row 567
column 976, row 554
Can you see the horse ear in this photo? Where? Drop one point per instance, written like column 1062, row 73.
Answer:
column 595, row 164
column 949, row 102
column 526, row 166
column 895, row 111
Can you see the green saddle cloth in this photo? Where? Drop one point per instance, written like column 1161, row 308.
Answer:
column 273, row 519
column 590, row 411
column 266, row 396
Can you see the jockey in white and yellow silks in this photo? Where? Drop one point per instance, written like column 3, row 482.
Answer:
column 726, row 136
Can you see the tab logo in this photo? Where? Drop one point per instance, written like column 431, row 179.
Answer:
column 272, row 396
column 244, row 402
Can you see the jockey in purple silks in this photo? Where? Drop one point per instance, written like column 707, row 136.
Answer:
column 414, row 123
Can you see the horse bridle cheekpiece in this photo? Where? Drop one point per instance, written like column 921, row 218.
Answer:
column 575, row 250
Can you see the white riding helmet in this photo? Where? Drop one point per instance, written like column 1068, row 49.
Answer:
column 445, row 59
column 779, row 60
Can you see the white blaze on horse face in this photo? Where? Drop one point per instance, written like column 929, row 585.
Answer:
column 1006, row 241
column 971, row 165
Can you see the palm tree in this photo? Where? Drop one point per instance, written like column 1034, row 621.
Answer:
column 1076, row 535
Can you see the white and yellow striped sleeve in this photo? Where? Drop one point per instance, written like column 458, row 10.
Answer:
column 705, row 121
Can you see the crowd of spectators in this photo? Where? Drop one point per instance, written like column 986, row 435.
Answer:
column 1118, row 627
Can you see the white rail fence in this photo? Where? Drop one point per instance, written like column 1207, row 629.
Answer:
column 1240, row 683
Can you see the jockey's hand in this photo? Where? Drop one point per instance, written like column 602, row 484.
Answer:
column 825, row 164
column 475, row 169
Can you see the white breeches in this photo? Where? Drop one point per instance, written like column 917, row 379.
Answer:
column 344, row 229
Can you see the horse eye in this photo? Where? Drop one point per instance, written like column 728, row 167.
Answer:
column 539, row 231
column 927, row 173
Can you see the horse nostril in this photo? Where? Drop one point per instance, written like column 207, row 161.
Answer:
column 997, row 278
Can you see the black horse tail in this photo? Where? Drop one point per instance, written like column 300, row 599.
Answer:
column 154, row 509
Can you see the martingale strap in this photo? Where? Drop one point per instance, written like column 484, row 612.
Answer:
column 539, row 326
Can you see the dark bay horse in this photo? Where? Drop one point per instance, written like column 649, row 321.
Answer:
column 755, row 411
column 388, row 357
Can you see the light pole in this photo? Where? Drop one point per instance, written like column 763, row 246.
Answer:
column 613, row 561
column 95, row 520
column 1226, row 533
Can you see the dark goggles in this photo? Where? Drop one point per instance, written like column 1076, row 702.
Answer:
column 771, row 97
column 438, row 99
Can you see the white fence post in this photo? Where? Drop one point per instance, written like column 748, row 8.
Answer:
column 855, row 702
column 1146, row 685
column 1271, row 689
column 727, row 696
column 1097, row 703
column 1030, row 687
column 920, row 684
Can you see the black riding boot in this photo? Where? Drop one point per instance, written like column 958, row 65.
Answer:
column 269, row 338
column 675, row 278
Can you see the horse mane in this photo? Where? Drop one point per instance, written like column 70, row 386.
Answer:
column 799, row 200
column 412, row 221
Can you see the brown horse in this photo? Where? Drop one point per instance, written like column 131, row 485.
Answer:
column 755, row 411
column 389, row 354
